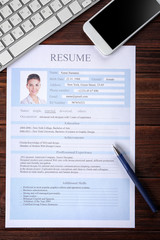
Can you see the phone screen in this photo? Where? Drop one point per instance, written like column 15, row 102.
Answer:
column 122, row 18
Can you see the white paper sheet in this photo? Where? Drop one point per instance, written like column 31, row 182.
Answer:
column 61, row 168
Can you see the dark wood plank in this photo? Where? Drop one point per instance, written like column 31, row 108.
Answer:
column 78, row 234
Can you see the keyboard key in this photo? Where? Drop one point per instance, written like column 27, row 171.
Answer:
column 34, row 6
column 8, row 39
column 35, row 36
column 15, row 19
column 17, row 33
column 15, row 5
column 27, row 26
column 56, row 5
column 5, row 26
column 75, row 7
column 46, row 12
column 64, row 15
column 5, row 58
column 6, row 11
column 37, row 19
column 25, row 12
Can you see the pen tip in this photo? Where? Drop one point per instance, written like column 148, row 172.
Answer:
column 115, row 150
column 113, row 146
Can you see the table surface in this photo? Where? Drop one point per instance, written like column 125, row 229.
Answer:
column 147, row 224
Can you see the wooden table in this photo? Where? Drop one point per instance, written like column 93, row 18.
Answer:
column 147, row 43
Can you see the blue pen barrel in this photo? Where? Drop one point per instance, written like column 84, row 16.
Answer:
column 137, row 182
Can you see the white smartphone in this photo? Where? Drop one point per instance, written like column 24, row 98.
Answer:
column 118, row 21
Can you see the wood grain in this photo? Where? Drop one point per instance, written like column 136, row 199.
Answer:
column 147, row 43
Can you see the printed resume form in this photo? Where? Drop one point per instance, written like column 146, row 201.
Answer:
column 66, row 107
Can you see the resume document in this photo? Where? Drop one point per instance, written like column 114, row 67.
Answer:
column 66, row 107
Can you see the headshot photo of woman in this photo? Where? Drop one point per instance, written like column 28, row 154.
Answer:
column 33, row 85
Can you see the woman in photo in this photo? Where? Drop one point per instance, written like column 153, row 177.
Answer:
column 33, row 85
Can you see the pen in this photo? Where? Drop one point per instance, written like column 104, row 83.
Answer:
column 135, row 180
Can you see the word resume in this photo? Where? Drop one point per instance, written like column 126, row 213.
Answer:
column 66, row 107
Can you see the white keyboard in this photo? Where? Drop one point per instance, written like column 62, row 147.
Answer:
column 26, row 23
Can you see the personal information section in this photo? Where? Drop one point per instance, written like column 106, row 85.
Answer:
column 61, row 168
